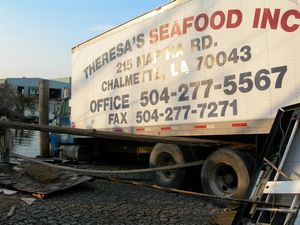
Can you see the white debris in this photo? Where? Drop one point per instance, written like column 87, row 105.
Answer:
column 29, row 201
column 8, row 192
column 17, row 169
column 11, row 211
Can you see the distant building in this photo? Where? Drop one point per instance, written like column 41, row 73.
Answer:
column 58, row 88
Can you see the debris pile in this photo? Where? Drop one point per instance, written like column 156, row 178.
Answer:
column 35, row 179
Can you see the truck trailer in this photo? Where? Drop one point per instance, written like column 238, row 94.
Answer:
column 213, row 70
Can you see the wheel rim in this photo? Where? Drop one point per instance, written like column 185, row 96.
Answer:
column 224, row 180
column 166, row 159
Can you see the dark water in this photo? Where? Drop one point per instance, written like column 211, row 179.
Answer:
column 25, row 142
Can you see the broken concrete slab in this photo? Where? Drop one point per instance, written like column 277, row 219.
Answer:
column 37, row 178
column 44, row 180
column 11, row 211
column 29, row 201
column 9, row 192
column 17, row 169
column 14, row 161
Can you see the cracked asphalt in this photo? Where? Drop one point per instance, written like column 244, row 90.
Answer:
column 108, row 202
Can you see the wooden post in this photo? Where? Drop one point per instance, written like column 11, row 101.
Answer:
column 44, row 116
column 4, row 146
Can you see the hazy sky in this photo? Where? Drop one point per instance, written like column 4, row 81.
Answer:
column 36, row 36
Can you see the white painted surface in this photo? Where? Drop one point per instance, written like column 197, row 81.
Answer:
column 257, row 48
column 282, row 187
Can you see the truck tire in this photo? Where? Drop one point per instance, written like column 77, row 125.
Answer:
column 166, row 155
column 225, row 173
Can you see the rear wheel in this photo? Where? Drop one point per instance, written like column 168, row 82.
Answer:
column 167, row 155
column 225, row 173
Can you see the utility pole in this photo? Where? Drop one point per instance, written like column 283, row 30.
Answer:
column 44, row 116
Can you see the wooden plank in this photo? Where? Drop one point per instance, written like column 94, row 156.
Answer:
column 126, row 136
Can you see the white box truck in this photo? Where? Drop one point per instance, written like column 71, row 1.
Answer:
column 214, row 69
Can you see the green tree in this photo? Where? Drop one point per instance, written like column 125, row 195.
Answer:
column 25, row 102
column 8, row 100
column 13, row 105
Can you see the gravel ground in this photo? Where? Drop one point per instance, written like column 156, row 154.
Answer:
column 108, row 202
